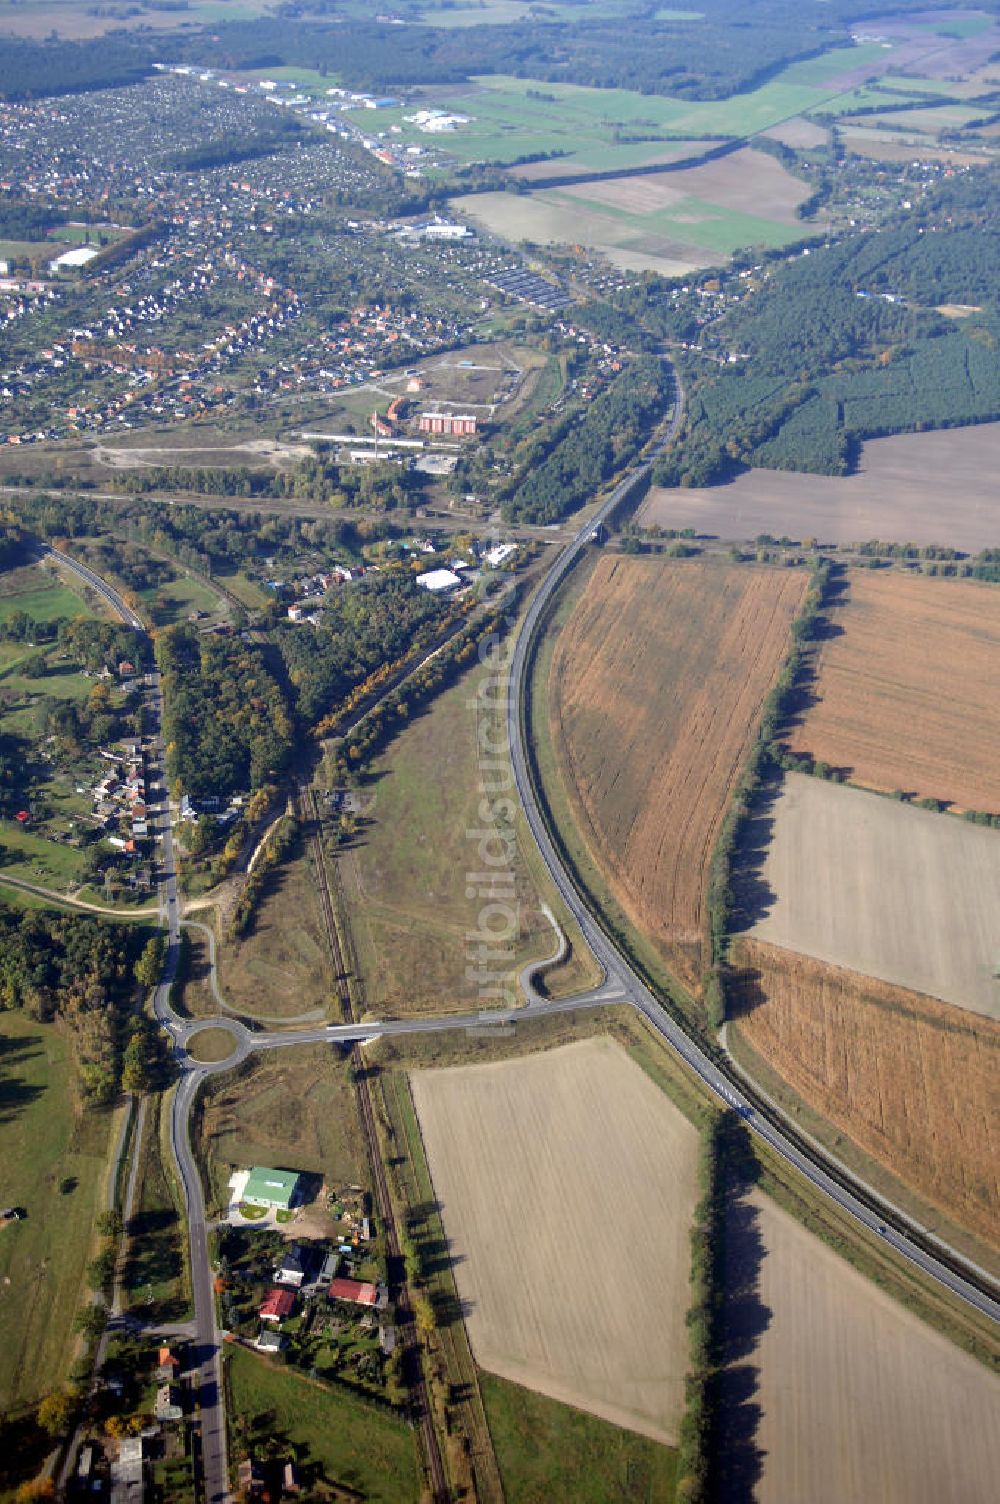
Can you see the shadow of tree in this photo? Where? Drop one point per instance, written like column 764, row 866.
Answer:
column 738, row 1461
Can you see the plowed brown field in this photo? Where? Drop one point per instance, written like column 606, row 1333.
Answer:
column 909, row 696
column 656, row 689
column 912, row 1081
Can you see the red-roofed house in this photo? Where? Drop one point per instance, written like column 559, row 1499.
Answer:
column 355, row 1290
column 278, row 1305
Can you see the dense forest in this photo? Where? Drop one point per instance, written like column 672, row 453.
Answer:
column 726, row 47
column 375, row 622
column 595, row 445
column 845, row 343
column 80, row 970
column 227, row 722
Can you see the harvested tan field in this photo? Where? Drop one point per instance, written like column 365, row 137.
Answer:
column 861, row 1402
column 919, row 487
column 899, row 893
column 559, row 167
column 656, row 687
column 884, row 148
column 567, row 1185
column 910, row 1080
column 799, row 132
column 751, row 182
column 909, row 696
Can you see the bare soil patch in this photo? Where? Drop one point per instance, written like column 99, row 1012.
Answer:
column 922, row 487
column 899, row 893
column 908, row 1079
column 566, row 1182
column 860, row 1400
column 908, row 696
column 748, row 181
column 530, row 172
column 884, row 148
column 656, row 688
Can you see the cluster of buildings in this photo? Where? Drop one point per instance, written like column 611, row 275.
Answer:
column 308, row 1271
column 120, row 799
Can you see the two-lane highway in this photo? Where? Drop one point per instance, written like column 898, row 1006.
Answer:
column 957, row 1274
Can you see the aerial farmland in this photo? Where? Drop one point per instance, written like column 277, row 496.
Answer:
column 656, row 687
column 911, row 653
column 910, row 1080
column 859, row 1399
column 927, row 488
column 546, row 1168
column 904, row 894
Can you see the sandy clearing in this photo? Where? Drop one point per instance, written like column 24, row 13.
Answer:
column 862, row 1403
column 567, row 1185
column 883, row 888
column 749, row 181
column 922, row 488
column 908, row 696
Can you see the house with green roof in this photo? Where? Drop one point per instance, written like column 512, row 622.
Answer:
column 271, row 1188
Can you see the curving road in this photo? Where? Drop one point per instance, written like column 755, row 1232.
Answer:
column 974, row 1285
column 621, row 986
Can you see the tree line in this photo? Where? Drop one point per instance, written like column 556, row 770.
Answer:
column 592, row 447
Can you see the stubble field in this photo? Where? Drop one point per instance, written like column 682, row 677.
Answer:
column 656, row 687
column 566, row 1182
column 746, row 181
column 662, row 221
column 903, row 894
column 860, row 1400
column 910, row 1080
column 908, row 697
column 922, row 488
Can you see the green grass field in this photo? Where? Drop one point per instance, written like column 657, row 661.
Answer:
column 40, row 594
column 506, row 122
column 38, row 859
column 155, row 1277
column 54, row 1161
column 281, row 968
column 177, row 599
column 354, row 1444
column 409, row 903
column 552, row 1454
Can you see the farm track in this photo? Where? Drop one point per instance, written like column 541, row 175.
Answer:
column 309, row 809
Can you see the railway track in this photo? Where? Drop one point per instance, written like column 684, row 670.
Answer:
column 420, row 1399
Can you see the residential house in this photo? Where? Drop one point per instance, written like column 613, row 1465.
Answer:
column 359, row 1292
column 277, row 1304
column 295, row 1267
